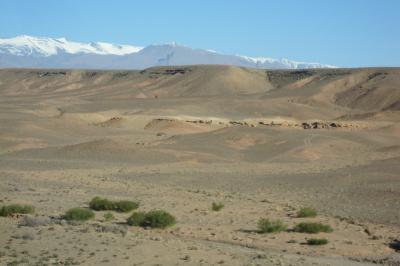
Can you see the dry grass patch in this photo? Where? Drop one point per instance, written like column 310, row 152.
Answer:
column 306, row 212
column 108, row 216
column 312, row 228
column 268, row 226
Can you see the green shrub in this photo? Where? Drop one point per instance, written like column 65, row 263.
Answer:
column 268, row 226
column 100, row 204
column 79, row 214
column 16, row 209
column 125, row 206
column 108, row 216
column 217, row 206
column 137, row 219
column 312, row 228
column 317, row 241
column 159, row 219
column 153, row 219
column 306, row 212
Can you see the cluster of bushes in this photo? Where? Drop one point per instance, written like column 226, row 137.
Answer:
column 163, row 219
column 100, row 204
column 273, row 226
column 153, row 219
column 268, row 226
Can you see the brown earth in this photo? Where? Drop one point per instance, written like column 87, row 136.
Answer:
column 265, row 143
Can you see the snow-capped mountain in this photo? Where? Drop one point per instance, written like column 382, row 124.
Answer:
column 27, row 46
column 28, row 51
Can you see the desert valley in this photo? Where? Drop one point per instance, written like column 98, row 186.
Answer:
column 218, row 147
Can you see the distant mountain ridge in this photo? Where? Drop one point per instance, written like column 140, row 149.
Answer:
column 43, row 52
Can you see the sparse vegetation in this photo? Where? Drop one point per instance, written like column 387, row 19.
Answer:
column 79, row 214
column 32, row 221
column 108, row 216
column 100, row 204
column 312, row 228
column 317, row 241
column 268, row 226
column 112, row 228
column 153, row 219
column 159, row 219
column 125, row 206
column 306, row 212
column 137, row 219
column 16, row 209
column 217, row 206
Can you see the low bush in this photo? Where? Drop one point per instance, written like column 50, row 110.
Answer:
column 79, row 214
column 125, row 206
column 268, row 226
column 16, row 209
column 153, row 219
column 317, row 241
column 306, row 212
column 159, row 219
column 108, row 216
column 312, row 228
column 100, row 204
column 217, row 206
column 137, row 219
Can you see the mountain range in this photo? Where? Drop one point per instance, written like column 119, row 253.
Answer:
column 43, row 52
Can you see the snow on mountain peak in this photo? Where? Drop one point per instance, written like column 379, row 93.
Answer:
column 284, row 62
column 258, row 60
column 42, row 46
column 53, row 52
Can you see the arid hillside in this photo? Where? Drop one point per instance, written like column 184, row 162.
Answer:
column 264, row 143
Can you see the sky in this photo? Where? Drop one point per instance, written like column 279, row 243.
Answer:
column 347, row 33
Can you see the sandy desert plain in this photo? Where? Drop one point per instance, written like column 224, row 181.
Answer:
column 264, row 143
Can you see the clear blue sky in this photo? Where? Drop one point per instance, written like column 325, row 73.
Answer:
column 339, row 32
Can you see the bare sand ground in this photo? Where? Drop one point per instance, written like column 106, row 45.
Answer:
column 179, row 142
